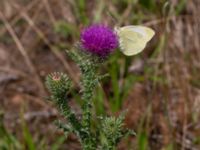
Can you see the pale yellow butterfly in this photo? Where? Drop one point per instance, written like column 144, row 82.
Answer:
column 133, row 39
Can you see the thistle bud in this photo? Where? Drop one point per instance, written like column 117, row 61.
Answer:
column 58, row 84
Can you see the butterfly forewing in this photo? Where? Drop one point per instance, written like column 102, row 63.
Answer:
column 133, row 39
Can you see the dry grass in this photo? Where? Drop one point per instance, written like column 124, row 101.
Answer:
column 167, row 99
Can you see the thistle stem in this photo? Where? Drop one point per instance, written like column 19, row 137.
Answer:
column 70, row 116
column 88, row 82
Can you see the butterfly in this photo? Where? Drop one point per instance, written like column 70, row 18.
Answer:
column 133, row 39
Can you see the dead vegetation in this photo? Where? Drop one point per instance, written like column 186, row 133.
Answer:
column 164, row 106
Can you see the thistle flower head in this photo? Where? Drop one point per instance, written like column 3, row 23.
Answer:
column 99, row 40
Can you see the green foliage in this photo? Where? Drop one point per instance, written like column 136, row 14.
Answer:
column 143, row 141
column 121, row 83
column 170, row 147
column 79, row 8
column 180, row 7
column 7, row 140
column 99, row 101
column 58, row 143
column 28, row 138
column 65, row 29
column 110, row 129
column 59, row 84
column 149, row 4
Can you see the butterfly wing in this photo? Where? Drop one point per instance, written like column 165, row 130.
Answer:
column 133, row 39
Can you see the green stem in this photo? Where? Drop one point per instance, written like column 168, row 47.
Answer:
column 70, row 116
column 89, row 83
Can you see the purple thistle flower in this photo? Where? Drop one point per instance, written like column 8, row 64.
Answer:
column 99, row 40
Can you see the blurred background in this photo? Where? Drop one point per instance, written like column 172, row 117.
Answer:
column 160, row 87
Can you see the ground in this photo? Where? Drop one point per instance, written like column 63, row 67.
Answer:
column 162, row 84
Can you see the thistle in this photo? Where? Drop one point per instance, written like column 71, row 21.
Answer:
column 99, row 40
column 97, row 43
